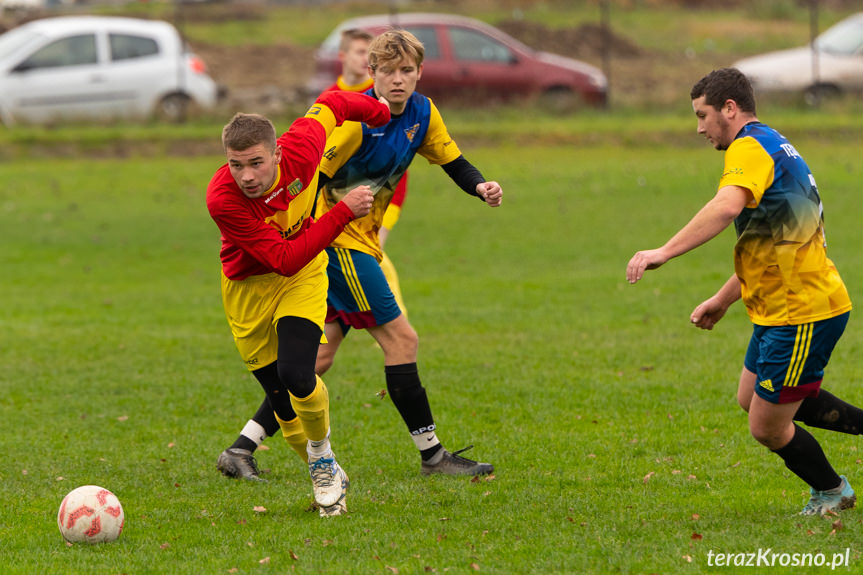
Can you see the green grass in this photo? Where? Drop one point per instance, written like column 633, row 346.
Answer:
column 611, row 421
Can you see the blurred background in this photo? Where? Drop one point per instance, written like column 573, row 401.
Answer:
column 271, row 56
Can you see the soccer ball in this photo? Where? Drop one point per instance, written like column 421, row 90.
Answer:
column 90, row 514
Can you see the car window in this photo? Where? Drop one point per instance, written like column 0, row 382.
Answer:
column 472, row 45
column 428, row 36
column 843, row 38
column 71, row 51
column 127, row 47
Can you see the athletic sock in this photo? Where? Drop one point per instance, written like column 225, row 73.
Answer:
column 251, row 436
column 295, row 435
column 411, row 401
column 805, row 458
column 314, row 411
column 826, row 411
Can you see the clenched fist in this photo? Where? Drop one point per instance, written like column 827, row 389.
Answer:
column 359, row 200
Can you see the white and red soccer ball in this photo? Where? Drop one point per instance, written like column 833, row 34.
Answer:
column 90, row 514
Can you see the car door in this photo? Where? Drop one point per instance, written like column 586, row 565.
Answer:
column 140, row 71
column 60, row 79
column 486, row 67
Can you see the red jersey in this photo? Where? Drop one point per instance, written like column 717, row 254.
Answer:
column 275, row 233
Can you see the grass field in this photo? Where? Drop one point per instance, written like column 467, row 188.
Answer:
column 612, row 423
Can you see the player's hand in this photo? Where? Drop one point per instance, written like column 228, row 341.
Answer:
column 360, row 200
column 708, row 313
column 385, row 102
column 490, row 192
column 642, row 261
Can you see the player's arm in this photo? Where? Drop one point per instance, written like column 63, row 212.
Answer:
column 707, row 313
column 714, row 217
column 469, row 179
column 304, row 142
column 288, row 256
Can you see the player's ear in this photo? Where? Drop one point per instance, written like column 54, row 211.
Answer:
column 419, row 72
column 277, row 154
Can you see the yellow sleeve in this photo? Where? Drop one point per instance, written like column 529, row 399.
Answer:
column 438, row 147
column 391, row 216
column 748, row 165
column 342, row 144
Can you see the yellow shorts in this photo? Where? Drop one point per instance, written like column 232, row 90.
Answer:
column 254, row 306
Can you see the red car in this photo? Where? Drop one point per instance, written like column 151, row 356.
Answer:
column 467, row 59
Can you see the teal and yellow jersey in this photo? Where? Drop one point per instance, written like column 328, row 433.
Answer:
column 780, row 257
column 378, row 157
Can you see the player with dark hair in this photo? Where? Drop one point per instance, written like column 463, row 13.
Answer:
column 792, row 291
column 359, row 295
column 274, row 280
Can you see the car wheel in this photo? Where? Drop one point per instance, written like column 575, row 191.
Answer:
column 560, row 99
column 173, row 108
column 814, row 95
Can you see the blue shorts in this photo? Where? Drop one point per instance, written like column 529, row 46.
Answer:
column 789, row 361
column 359, row 295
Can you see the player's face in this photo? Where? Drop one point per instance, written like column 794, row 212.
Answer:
column 397, row 82
column 254, row 169
column 355, row 60
column 713, row 124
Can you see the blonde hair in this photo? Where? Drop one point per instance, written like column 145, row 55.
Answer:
column 352, row 34
column 247, row 130
column 393, row 46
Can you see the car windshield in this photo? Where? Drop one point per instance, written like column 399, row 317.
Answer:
column 844, row 38
column 13, row 40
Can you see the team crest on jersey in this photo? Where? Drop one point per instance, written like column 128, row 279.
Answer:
column 295, row 188
column 411, row 132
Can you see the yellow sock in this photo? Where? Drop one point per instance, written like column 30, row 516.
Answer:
column 295, row 436
column 314, row 411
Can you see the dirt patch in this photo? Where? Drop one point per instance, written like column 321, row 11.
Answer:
column 588, row 41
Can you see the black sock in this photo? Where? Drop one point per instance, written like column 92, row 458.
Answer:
column 409, row 397
column 826, row 411
column 244, row 442
column 805, row 458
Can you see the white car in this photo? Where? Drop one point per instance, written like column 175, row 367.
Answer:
column 99, row 68
column 833, row 65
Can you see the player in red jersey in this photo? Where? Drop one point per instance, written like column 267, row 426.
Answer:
column 274, row 280
column 237, row 460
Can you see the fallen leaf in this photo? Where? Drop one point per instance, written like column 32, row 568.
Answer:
column 233, row 570
column 475, row 479
column 687, row 558
column 474, row 566
column 837, row 525
column 326, row 542
column 164, row 545
column 696, row 516
column 172, row 444
column 392, row 569
column 441, row 537
column 810, row 532
column 264, row 561
column 429, row 569
column 23, row 472
column 259, row 509
column 443, row 519
column 647, row 477
column 691, row 477
column 591, row 455
column 697, row 536
column 736, row 464
column 293, row 555
column 176, row 485
column 263, row 447
column 241, row 522
column 123, row 418
column 381, row 394
column 676, row 472
column 61, row 478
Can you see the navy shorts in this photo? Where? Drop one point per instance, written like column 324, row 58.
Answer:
column 789, row 360
column 359, row 295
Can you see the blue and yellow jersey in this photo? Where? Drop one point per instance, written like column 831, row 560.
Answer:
column 378, row 157
column 780, row 257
